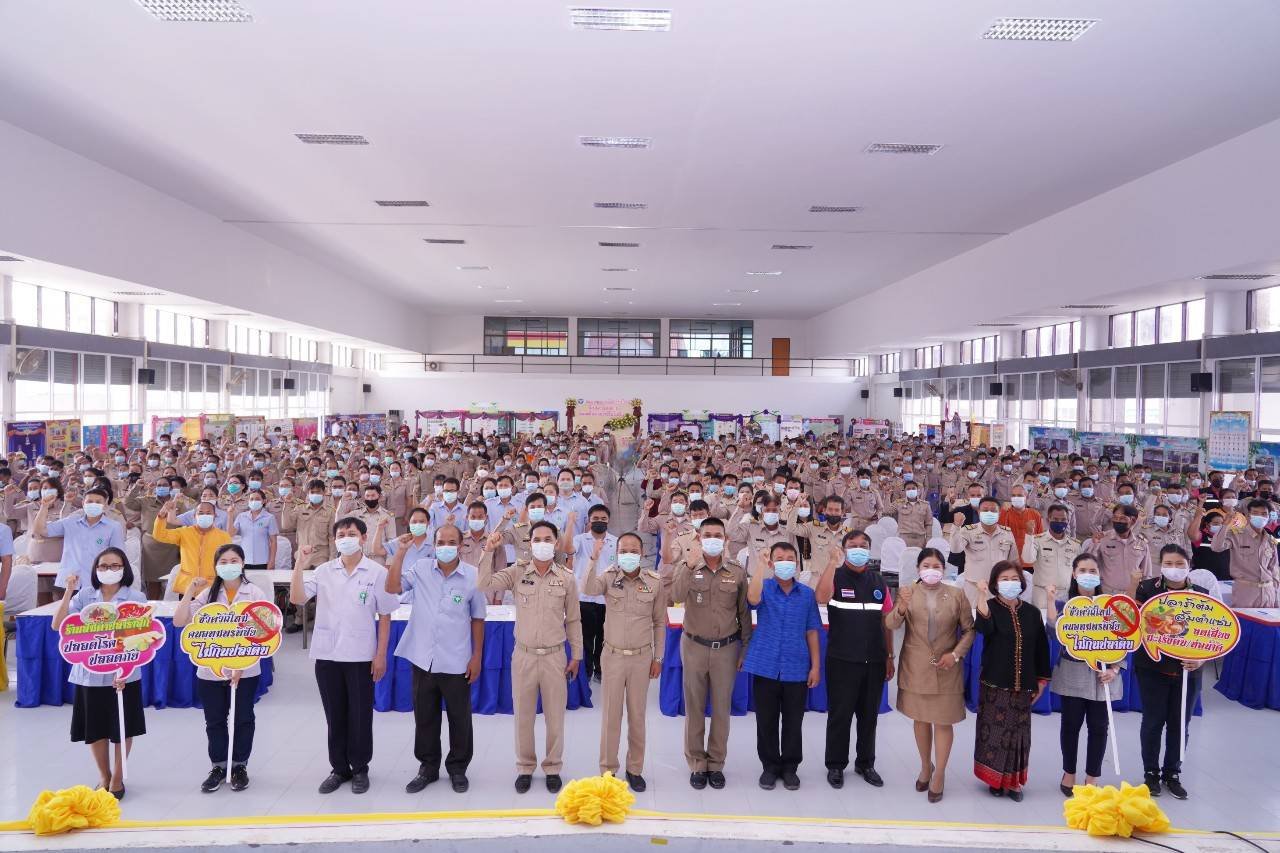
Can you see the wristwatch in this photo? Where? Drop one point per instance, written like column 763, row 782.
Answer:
column 657, row 660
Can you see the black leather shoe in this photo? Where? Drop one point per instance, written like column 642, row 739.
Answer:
column 715, row 779
column 1153, row 783
column 523, row 781
column 768, row 780
column 835, row 777
column 422, row 780
column 698, row 780
column 791, row 781
column 459, row 783
column 554, row 782
column 870, row 775
column 239, row 777
column 636, row 781
column 1016, row 795
column 332, row 782
column 995, row 792
column 213, row 781
column 1174, row 786
column 359, row 783
column 119, row 795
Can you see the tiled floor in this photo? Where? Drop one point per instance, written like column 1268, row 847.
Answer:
column 1231, row 769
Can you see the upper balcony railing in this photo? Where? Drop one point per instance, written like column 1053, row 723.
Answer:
column 629, row 366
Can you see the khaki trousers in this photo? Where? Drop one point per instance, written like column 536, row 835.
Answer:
column 532, row 675
column 624, row 681
column 713, row 670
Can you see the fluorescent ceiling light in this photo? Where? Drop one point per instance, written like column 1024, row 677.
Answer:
column 473, row 269
column 1237, row 277
column 833, row 208
column 232, row 314
column 204, row 11
column 441, row 241
column 790, row 247
column 743, row 290
column 616, row 141
column 1087, row 307
column 492, row 287
column 620, row 205
column 608, row 245
column 619, row 289
column 997, row 325
column 508, row 301
column 138, row 293
column 902, row 148
column 725, row 304
column 765, row 272
column 1039, row 29
column 398, row 203
column 632, row 20
column 619, row 269
column 332, row 138
column 10, row 259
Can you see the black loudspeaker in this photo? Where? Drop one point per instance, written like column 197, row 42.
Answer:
column 864, row 394
column 897, row 392
column 996, row 389
column 1201, row 382
column 146, row 376
column 367, row 388
column 290, row 384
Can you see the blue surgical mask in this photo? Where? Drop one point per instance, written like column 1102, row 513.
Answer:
column 418, row 528
column 1127, row 500
column 446, row 553
column 784, row 570
column 989, row 518
column 162, row 491
column 1259, row 521
column 857, row 556
column 536, row 513
column 1088, row 581
column 628, row 562
column 1009, row 589
column 1086, row 491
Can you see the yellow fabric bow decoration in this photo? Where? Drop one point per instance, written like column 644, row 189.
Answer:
column 81, row 807
column 1108, row 811
column 594, row 800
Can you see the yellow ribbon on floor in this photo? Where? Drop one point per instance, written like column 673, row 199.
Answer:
column 81, row 807
column 595, row 799
column 1108, row 811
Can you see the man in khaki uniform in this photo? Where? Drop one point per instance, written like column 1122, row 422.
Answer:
column 1050, row 555
column 915, row 519
column 675, row 549
column 634, row 638
column 759, row 535
column 824, row 539
column 547, row 615
column 381, row 523
column 717, row 627
column 863, row 501
column 1122, row 555
column 311, row 521
column 983, row 545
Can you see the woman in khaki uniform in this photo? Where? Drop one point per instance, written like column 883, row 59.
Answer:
column 41, row 550
column 939, row 632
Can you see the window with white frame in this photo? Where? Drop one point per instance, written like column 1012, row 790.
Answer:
column 980, row 350
column 247, row 340
column 860, row 366
column 928, row 357
column 50, row 308
column 169, row 327
column 1264, row 309
column 303, row 349
column 889, row 362
column 340, row 355
column 1162, row 324
column 1056, row 339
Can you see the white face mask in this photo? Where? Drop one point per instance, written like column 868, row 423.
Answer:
column 347, row 545
column 110, row 577
column 543, row 551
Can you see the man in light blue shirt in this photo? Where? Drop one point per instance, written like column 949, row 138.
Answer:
column 443, row 641
column 449, row 510
column 84, row 535
column 592, row 606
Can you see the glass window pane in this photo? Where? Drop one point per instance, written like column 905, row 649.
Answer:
column 1144, row 327
column 1126, row 394
column 80, row 309
column 1046, row 340
column 1195, row 319
column 1171, row 323
column 1269, row 393
column 1075, row 335
column 184, row 331
column 1265, row 305
column 53, row 308
column 1062, row 339
column 177, row 376
column 1100, row 397
column 1122, row 330
column 199, row 332
column 31, row 381
column 1235, row 383
column 165, row 327
column 26, row 304
column 1153, row 394
column 66, row 377
column 104, row 317
column 95, row 382
column 1029, row 340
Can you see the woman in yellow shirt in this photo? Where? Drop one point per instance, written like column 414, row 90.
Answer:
column 196, row 544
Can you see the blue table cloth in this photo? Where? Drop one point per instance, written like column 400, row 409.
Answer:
column 491, row 692
column 671, row 683
column 1251, row 672
column 169, row 681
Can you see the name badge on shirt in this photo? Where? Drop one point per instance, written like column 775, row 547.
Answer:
column 555, row 582
column 364, row 596
column 457, row 598
column 848, row 593
column 526, row 582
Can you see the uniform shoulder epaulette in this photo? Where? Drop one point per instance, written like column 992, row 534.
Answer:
column 972, row 526
column 651, row 573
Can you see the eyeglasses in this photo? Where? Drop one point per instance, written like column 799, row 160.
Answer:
column 111, row 565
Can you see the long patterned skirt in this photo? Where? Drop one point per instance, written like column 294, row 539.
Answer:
column 1002, row 745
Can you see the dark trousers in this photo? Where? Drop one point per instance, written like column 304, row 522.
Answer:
column 853, row 690
column 1161, row 695
column 429, row 688
column 346, row 691
column 592, row 636
column 250, row 567
column 215, row 696
column 779, row 699
column 1075, row 713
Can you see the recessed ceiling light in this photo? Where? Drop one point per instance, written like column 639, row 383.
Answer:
column 205, row 11
column 620, row 205
column 616, row 141
column 508, row 301
column 473, row 269
column 397, row 203
column 441, row 241
column 725, row 304
column 138, row 293
column 1039, row 29
column 633, row 20
column 790, row 247
column 743, row 290
column 620, row 289
column 492, row 287
column 1237, row 277
column 902, row 148
column 1086, row 306
column 765, row 272
column 332, row 138
column 619, row 269
column 608, row 245
column 833, row 208
column 10, row 259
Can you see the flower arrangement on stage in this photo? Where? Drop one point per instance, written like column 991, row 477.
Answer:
column 1108, row 811
column 621, row 422
column 637, row 403
column 595, row 800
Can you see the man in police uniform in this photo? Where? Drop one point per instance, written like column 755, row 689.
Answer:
column 717, row 627
column 1121, row 554
column 859, row 656
column 635, row 626
column 915, row 519
column 1050, row 555
column 547, row 614
column 825, row 535
column 983, row 544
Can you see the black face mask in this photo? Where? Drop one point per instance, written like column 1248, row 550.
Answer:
column 1120, row 527
column 599, row 526
column 371, row 504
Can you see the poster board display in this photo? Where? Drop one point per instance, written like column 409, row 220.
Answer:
column 1050, row 438
column 823, row 426
column 766, row 426
column 999, row 436
column 191, row 429
column 62, row 437
column 592, row 414
column 1114, row 446
column 219, row 426
column 27, row 438
column 1172, row 454
column 253, row 427
column 1229, row 436
column 790, row 426
column 979, row 434
column 1266, row 458
column 105, row 435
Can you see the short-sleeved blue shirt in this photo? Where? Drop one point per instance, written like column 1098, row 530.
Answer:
column 778, row 647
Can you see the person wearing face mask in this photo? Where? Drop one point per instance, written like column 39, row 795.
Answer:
column 1083, row 691
column 228, row 587
column 257, row 530
column 863, row 501
column 939, row 633
column 95, row 715
column 84, row 534
column 474, row 534
column 1160, row 529
column 1050, row 556
column 1023, row 520
column 592, row 607
column 1015, row 671
column 548, row 618
column 634, row 642
column 380, row 522
column 197, row 544
column 448, row 508
column 859, row 656
column 444, row 643
column 310, row 520
column 1121, row 554
column 1160, row 686
column 348, row 646
column 716, row 629
column 1091, row 514
column 1254, row 566
column 40, row 549
column 782, row 660
column 824, row 534
column 983, row 545
column 758, row 535
column 914, row 517
column 675, row 548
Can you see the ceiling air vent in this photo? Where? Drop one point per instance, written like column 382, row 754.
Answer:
column 198, row 11
column 1038, row 29
column 332, row 138
column 902, row 148
column 398, row 203
column 608, row 245
column 441, row 241
column 1237, row 277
